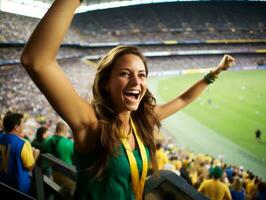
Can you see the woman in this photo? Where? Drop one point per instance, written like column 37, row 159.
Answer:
column 113, row 135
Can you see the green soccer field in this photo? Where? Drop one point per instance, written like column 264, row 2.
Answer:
column 234, row 106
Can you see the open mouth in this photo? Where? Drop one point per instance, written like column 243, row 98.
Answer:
column 132, row 94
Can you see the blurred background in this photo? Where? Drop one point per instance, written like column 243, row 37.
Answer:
column 182, row 40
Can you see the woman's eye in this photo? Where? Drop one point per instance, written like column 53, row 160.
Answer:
column 142, row 75
column 124, row 74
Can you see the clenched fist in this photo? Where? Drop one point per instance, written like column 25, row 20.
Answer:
column 226, row 62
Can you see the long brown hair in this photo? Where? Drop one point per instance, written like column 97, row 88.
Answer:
column 109, row 124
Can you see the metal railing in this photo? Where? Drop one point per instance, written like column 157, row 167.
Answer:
column 167, row 185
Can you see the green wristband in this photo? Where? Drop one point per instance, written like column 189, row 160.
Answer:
column 209, row 78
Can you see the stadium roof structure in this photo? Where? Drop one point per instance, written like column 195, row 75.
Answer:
column 37, row 8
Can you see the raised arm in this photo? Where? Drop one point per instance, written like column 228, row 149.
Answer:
column 193, row 92
column 39, row 59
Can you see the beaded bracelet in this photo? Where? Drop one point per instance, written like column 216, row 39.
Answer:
column 210, row 77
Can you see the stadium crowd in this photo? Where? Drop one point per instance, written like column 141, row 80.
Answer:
column 167, row 22
column 202, row 171
column 205, row 171
column 158, row 22
column 18, row 92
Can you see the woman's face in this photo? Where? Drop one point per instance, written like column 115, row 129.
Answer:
column 127, row 83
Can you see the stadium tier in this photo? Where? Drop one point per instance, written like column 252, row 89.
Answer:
column 182, row 41
column 154, row 22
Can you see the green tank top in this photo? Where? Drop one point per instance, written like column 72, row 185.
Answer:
column 116, row 183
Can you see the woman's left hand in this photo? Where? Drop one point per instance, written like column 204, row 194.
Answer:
column 226, row 62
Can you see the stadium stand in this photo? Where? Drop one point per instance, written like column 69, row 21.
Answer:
column 154, row 22
column 168, row 21
column 223, row 26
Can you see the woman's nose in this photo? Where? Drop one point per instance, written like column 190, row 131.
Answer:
column 135, row 79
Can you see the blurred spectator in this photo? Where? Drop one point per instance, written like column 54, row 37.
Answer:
column 184, row 173
column 251, row 187
column 161, row 156
column 193, row 173
column 261, row 192
column 1, row 121
column 17, row 157
column 39, row 139
column 214, row 188
column 229, row 172
column 237, row 190
column 61, row 147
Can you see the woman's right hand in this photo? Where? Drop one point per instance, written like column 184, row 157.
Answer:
column 39, row 59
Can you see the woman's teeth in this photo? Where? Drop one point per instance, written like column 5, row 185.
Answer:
column 134, row 93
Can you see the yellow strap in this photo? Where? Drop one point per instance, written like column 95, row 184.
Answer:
column 137, row 184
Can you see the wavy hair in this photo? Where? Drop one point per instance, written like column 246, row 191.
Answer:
column 109, row 124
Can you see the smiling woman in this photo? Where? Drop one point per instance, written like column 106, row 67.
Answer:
column 114, row 142
column 127, row 82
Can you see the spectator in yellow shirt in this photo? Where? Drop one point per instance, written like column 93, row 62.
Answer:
column 251, row 187
column 214, row 188
column 161, row 156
